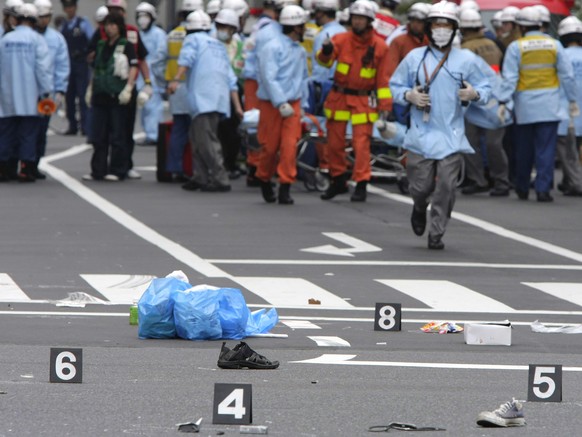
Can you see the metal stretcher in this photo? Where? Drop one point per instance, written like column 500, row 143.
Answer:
column 386, row 158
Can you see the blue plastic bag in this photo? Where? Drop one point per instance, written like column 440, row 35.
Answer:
column 156, row 308
column 233, row 313
column 261, row 321
column 196, row 314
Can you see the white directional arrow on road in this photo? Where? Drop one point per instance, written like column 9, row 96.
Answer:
column 355, row 246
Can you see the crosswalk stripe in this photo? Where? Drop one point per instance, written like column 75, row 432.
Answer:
column 568, row 291
column 9, row 291
column 447, row 296
column 325, row 341
column 119, row 289
column 291, row 292
column 300, row 324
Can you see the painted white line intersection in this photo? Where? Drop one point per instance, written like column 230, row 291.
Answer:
column 119, row 289
column 355, row 245
column 568, row 291
column 9, row 291
column 329, row 341
column 446, row 296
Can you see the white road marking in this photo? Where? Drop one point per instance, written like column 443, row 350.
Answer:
column 347, row 360
column 119, row 289
column 9, row 291
column 62, row 314
column 173, row 249
column 300, row 324
column 296, row 292
column 490, row 227
column 446, row 296
column 354, row 245
column 571, row 292
column 319, row 262
column 325, row 341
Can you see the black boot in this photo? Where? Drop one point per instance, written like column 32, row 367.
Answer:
column 338, row 186
column 435, row 242
column 252, row 180
column 27, row 170
column 360, row 192
column 284, row 197
column 267, row 191
column 4, row 171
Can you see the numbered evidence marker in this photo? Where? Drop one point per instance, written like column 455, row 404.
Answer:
column 233, row 404
column 388, row 317
column 66, row 365
column 544, row 383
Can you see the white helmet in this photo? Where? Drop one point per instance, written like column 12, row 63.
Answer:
column 508, row 14
column 101, row 13
column 147, row 8
column 343, row 16
column 418, row 11
column 198, row 20
column 192, row 5
column 363, row 8
column 27, row 10
column 496, row 20
column 11, row 6
column 444, row 9
column 241, row 7
column 280, row 4
column 326, row 5
column 228, row 17
column 212, row 7
column 44, row 7
column 308, row 5
column 293, row 15
column 528, row 16
column 470, row 18
column 569, row 25
column 470, row 4
column 376, row 6
column 117, row 4
column 544, row 12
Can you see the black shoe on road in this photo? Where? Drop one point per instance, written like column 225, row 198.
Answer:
column 418, row 221
column 242, row 356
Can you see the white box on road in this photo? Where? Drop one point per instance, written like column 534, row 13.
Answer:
column 498, row 334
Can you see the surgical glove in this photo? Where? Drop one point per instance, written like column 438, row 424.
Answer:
column 59, row 98
column 89, row 95
column 125, row 95
column 120, row 66
column 468, row 94
column 501, row 113
column 327, row 47
column 387, row 129
column 574, row 110
column 144, row 95
column 286, row 110
column 417, row 97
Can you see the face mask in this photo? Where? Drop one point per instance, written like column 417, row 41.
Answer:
column 223, row 35
column 144, row 22
column 441, row 36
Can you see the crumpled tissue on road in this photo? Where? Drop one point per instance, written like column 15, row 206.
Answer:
column 171, row 307
column 564, row 329
column 442, row 328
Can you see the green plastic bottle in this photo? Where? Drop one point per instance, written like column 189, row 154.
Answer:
column 133, row 317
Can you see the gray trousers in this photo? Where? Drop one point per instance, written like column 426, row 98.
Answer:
column 434, row 180
column 567, row 149
column 496, row 157
column 207, row 163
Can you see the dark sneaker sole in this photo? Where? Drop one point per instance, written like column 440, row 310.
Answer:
column 246, row 365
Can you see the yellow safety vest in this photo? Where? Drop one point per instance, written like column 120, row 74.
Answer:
column 175, row 41
column 537, row 69
column 311, row 29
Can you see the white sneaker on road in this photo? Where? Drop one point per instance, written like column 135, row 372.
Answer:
column 111, row 178
column 132, row 174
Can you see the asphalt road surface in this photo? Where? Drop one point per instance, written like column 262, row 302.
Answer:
column 504, row 260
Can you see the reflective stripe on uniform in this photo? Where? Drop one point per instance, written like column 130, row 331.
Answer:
column 337, row 115
column 368, row 73
column 364, row 118
column 342, row 68
column 384, row 93
column 537, row 69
